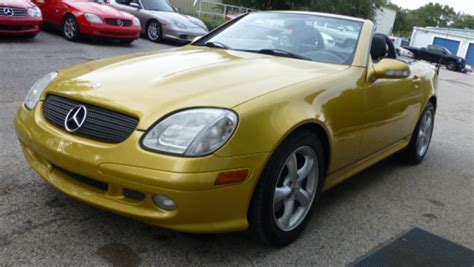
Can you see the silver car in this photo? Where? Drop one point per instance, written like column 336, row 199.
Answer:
column 161, row 20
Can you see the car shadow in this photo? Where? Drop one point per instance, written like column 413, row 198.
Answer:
column 16, row 39
column 117, row 231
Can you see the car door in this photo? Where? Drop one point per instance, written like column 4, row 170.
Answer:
column 391, row 110
column 50, row 10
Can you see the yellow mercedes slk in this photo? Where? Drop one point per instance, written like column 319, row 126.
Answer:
column 242, row 129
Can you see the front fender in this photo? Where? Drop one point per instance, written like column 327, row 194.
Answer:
column 333, row 102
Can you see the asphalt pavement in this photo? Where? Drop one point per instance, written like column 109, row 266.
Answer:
column 42, row 226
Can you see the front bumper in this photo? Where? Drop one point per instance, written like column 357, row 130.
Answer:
column 110, row 32
column 15, row 26
column 184, row 35
column 202, row 207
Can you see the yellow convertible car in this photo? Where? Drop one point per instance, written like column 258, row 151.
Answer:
column 242, row 129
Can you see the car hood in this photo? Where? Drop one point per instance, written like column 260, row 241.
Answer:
column 189, row 21
column 151, row 85
column 102, row 10
column 16, row 3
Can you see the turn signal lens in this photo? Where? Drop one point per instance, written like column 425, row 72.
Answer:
column 231, row 177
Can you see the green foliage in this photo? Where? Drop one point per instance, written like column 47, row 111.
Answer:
column 213, row 22
column 429, row 15
column 355, row 8
column 463, row 21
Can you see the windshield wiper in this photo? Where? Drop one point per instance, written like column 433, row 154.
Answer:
column 216, row 45
column 278, row 52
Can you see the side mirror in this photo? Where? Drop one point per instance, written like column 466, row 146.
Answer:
column 391, row 69
column 135, row 5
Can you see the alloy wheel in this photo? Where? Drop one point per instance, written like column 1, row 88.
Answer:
column 153, row 31
column 69, row 28
column 424, row 133
column 296, row 188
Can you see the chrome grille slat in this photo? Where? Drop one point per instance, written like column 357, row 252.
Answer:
column 101, row 124
column 17, row 12
column 125, row 22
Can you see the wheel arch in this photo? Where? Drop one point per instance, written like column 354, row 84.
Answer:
column 320, row 132
column 67, row 14
column 433, row 100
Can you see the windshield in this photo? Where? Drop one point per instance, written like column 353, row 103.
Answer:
column 308, row 37
column 158, row 5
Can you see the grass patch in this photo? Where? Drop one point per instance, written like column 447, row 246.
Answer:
column 213, row 22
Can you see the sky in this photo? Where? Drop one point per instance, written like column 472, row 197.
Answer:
column 466, row 6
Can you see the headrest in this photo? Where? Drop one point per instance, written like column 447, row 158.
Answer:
column 379, row 47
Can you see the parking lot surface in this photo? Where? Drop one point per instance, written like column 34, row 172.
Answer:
column 41, row 226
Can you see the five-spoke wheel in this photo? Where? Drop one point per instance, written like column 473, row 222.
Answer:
column 421, row 137
column 288, row 189
column 71, row 28
column 296, row 188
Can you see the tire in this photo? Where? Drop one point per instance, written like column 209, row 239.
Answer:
column 268, row 208
column 154, row 31
column 414, row 153
column 71, row 30
column 451, row 65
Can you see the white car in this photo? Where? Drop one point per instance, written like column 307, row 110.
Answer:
column 405, row 52
column 328, row 41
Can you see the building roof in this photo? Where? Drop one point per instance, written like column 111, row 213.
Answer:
column 463, row 33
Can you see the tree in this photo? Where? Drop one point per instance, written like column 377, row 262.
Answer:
column 355, row 8
column 463, row 21
column 433, row 15
column 429, row 15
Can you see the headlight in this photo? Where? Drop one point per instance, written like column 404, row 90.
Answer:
column 37, row 90
column 201, row 24
column 179, row 24
column 136, row 22
column 34, row 12
column 93, row 18
column 194, row 132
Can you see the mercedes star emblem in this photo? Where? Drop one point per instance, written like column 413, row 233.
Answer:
column 119, row 22
column 75, row 118
column 8, row 11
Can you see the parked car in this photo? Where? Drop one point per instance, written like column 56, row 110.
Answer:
column 87, row 18
column 236, row 131
column 161, row 20
column 439, row 54
column 399, row 42
column 19, row 18
column 345, row 36
column 405, row 52
column 468, row 69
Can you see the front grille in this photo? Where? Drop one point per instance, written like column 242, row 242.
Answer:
column 12, row 11
column 116, row 22
column 14, row 28
column 100, row 124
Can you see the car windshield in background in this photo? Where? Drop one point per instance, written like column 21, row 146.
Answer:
column 158, row 5
column 307, row 37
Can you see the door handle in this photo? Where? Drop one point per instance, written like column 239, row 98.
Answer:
column 416, row 81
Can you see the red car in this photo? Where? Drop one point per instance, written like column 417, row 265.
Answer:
column 81, row 18
column 19, row 17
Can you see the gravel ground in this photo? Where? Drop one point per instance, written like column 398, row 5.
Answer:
column 41, row 226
